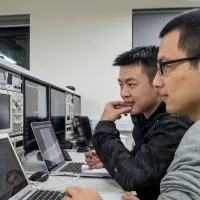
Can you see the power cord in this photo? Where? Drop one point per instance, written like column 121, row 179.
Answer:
column 28, row 172
column 28, row 156
column 66, row 183
column 36, row 185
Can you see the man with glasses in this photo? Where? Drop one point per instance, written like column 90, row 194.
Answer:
column 178, row 82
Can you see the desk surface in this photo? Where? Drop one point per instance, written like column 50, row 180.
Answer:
column 107, row 187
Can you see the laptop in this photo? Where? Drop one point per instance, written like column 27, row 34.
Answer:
column 52, row 154
column 14, row 184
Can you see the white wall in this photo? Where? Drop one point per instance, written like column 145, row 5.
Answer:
column 74, row 42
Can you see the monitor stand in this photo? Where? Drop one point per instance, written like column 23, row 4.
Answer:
column 39, row 156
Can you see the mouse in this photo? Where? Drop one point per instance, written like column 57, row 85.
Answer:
column 83, row 149
column 39, row 176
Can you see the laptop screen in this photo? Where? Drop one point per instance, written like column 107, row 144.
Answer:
column 12, row 179
column 48, row 144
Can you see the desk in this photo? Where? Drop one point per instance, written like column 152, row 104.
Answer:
column 107, row 187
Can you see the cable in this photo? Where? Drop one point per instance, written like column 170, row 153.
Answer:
column 66, row 183
column 28, row 156
column 37, row 185
column 28, row 172
column 32, row 153
column 62, row 174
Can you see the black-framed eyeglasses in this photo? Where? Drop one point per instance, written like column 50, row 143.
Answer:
column 163, row 65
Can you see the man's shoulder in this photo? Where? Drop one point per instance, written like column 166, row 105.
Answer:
column 170, row 125
column 177, row 119
column 193, row 133
column 188, row 149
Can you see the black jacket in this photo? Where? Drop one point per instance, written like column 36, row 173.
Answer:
column 156, row 140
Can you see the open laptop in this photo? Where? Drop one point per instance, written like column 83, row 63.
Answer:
column 14, row 184
column 52, row 154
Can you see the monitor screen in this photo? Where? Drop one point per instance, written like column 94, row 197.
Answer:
column 58, row 110
column 12, row 178
column 4, row 111
column 48, row 144
column 35, row 108
column 36, row 100
column 77, row 105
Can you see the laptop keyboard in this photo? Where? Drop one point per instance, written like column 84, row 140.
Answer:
column 72, row 167
column 46, row 195
column 66, row 155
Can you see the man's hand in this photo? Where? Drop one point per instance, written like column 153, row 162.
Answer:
column 129, row 196
column 77, row 193
column 93, row 160
column 113, row 110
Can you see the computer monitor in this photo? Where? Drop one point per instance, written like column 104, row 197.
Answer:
column 35, row 110
column 58, row 110
column 77, row 105
column 86, row 127
column 5, row 112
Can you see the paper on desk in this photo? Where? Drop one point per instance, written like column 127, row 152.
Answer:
column 98, row 172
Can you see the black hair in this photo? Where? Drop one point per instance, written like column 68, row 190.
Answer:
column 188, row 23
column 145, row 56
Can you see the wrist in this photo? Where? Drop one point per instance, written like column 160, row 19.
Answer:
column 106, row 119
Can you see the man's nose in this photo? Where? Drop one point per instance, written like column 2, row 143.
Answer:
column 157, row 81
column 125, row 92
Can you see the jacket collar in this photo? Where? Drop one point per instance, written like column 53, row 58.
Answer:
column 141, row 121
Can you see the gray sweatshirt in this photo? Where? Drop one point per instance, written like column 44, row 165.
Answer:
column 182, row 181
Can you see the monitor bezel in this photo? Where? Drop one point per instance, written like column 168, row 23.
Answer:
column 57, row 132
